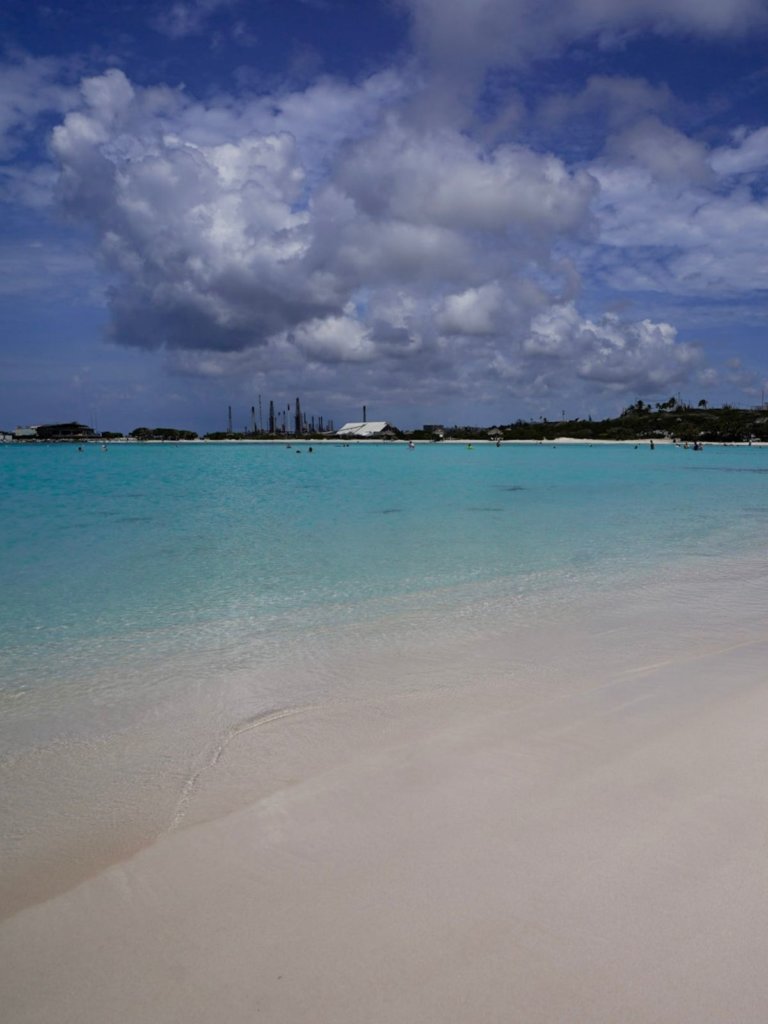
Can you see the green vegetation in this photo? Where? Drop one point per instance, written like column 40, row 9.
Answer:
column 162, row 434
column 669, row 419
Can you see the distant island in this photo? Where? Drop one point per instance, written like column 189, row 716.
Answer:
column 670, row 420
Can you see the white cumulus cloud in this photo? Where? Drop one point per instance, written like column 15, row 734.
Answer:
column 638, row 357
column 328, row 229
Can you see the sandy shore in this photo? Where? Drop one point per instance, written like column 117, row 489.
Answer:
column 591, row 848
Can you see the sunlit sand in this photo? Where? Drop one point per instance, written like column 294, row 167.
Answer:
column 574, row 833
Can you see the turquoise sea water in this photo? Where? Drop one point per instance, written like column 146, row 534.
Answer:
column 160, row 547
column 159, row 602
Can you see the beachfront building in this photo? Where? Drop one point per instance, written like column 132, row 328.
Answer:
column 65, row 432
column 378, row 429
column 435, row 430
column 55, row 432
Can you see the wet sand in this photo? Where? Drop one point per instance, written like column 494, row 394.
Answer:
column 589, row 850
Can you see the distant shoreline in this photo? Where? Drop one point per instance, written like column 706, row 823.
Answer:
column 342, row 442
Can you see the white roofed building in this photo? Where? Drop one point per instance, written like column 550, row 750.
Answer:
column 374, row 428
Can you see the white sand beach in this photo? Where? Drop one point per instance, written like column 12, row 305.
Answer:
column 575, row 833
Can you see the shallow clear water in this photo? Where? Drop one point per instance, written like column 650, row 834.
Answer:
column 160, row 602
column 162, row 548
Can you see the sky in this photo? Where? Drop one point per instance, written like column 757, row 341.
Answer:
column 449, row 211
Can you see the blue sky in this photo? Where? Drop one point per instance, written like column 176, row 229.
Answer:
column 460, row 211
